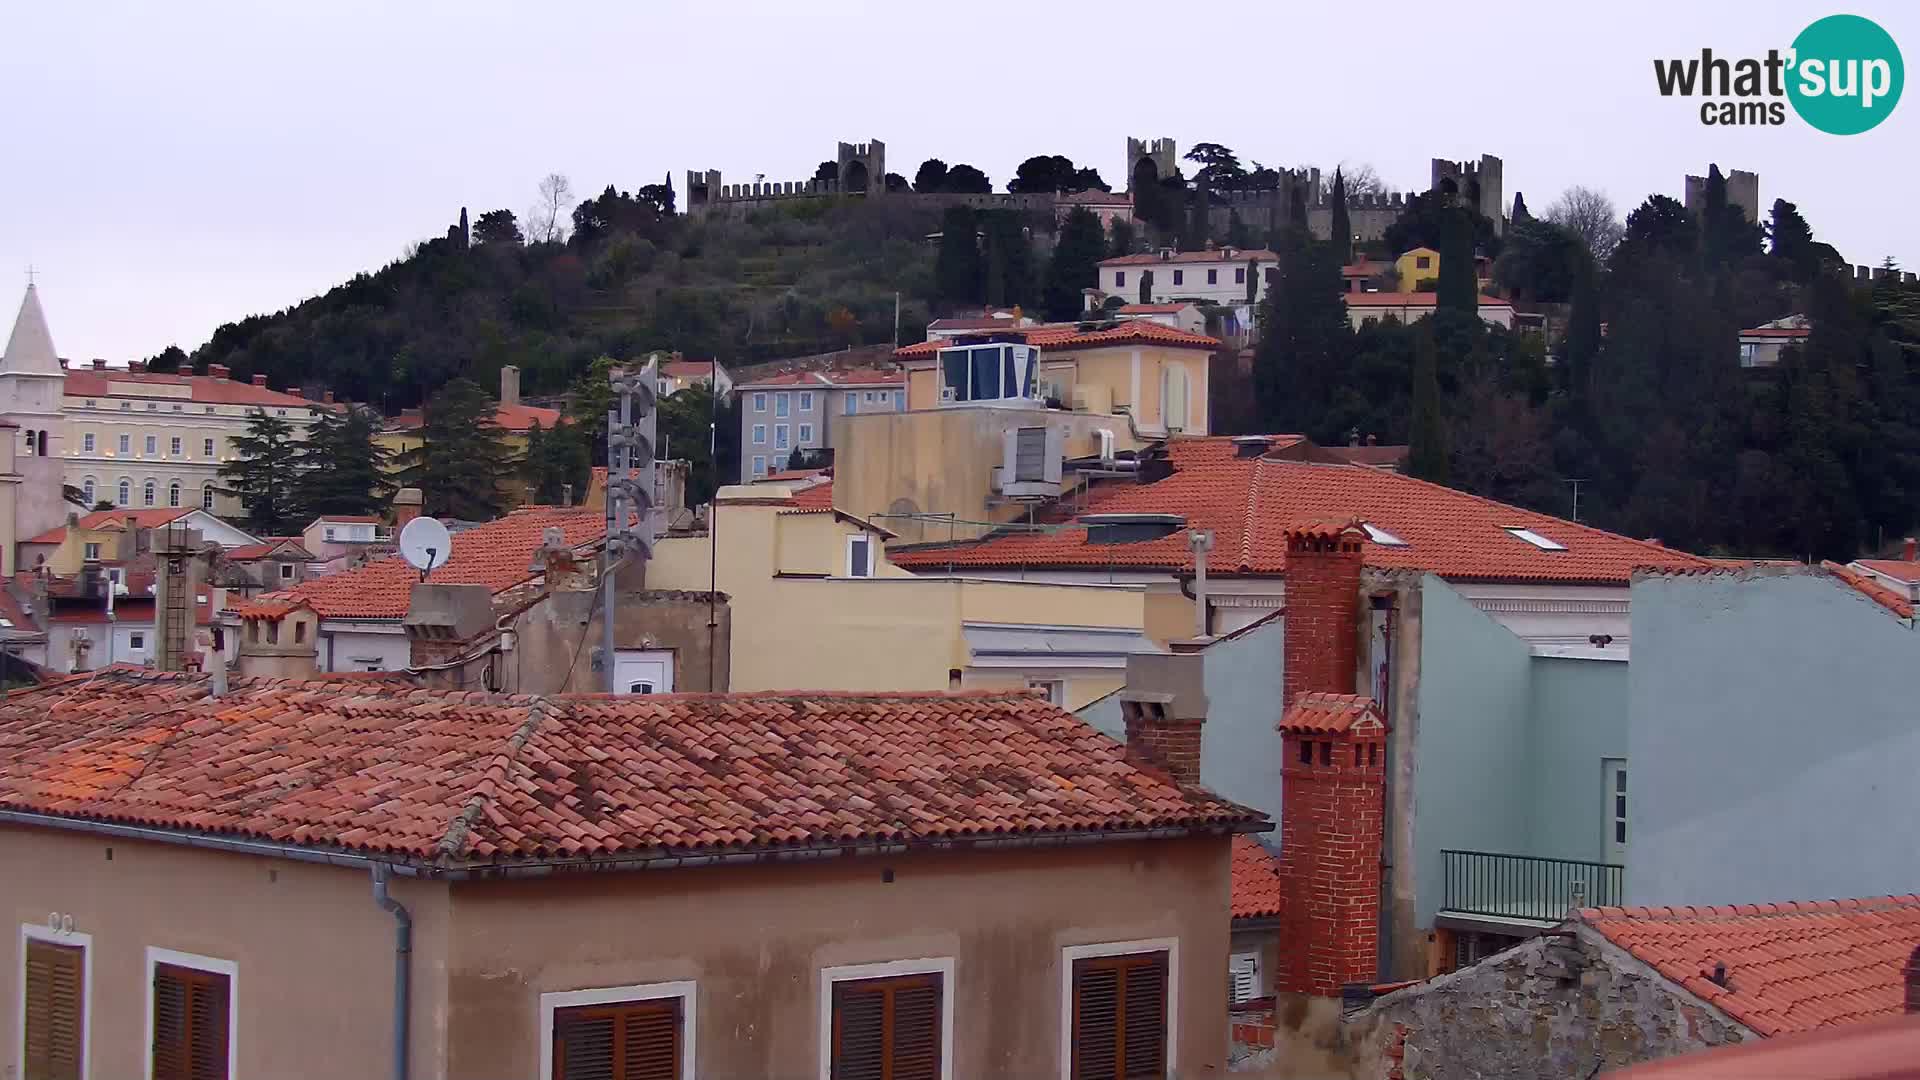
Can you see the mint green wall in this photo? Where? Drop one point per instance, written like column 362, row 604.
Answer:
column 1471, row 751
column 1579, row 719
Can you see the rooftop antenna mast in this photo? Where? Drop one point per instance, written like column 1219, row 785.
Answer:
column 630, row 494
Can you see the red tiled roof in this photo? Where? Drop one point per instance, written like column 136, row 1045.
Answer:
column 495, row 555
column 1882, row 1050
column 269, row 609
column 290, row 546
column 1777, row 332
column 204, row 389
column 1873, row 590
column 1249, row 502
column 1789, row 967
column 1898, row 569
column 1153, row 309
column 101, row 519
column 1219, row 255
column 1364, row 269
column 516, row 418
column 829, row 377
column 1331, row 714
column 1256, row 880
column 1410, row 299
column 687, row 369
column 1057, row 338
column 456, row 778
column 817, row 497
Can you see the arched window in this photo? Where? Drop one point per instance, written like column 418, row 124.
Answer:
column 147, row 493
column 173, row 493
column 126, row 493
column 206, row 496
column 86, row 491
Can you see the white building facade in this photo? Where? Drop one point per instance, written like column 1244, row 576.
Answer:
column 1216, row 276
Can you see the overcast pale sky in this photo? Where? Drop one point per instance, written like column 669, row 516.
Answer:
column 173, row 167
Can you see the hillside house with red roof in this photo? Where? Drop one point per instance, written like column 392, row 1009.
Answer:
column 1766, row 345
column 512, row 417
column 928, row 884
column 1214, row 276
column 1902, row 575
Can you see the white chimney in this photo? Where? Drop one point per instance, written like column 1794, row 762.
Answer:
column 509, row 385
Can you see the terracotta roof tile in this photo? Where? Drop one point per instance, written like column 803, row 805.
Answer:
column 458, row 778
column 1790, row 967
column 203, row 389
column 1331, row 714
column 506, row 418
column 817, row 497
column 1871, row 589
column 100, row 519
column 1061, row 337
column 1256, row 880
column 495, row 555
column 1789, row 332
column 1248, row 502
column 829, row 377
column 1898, row 569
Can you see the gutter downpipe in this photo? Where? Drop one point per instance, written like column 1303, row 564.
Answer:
column 402, row 966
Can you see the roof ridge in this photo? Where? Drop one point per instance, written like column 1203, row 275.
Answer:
column 1778, row 908
column 454, row 842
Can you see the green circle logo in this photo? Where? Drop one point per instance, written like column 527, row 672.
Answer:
column 1846, row 74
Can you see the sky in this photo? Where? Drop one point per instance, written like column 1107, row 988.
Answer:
column 170, row 168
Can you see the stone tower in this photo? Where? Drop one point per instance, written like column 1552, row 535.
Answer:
column 863, row 168
column 32, row 384
column 1743, row 191
column 1160, row 153
column 1478, row 184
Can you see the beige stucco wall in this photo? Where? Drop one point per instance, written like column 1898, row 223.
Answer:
column 314, row 989
column 754, row 939
column 1105, row 379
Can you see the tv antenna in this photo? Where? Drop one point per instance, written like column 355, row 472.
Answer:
column 426, row 545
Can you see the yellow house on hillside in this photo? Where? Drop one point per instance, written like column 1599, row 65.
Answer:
column 816, row 604
column 1418, row 270
column 402, row 433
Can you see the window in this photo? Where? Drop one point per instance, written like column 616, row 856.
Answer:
column 1213, row 277
column 1615, row 847
column 806, row 401
column 190, row 1014
column 173, row 493
column 126, row 493
column 619, row 1033
column 759, row 465
column 273, row 632
column 782, row 403
column 92, row 404
column 56, row 998
column 779, row 436
column 329, row 532
column 806, row 434
column 1421, row 262
column 179, row 408
column 887, row 1021
column 136, row 642
column 211, row 410
column 1118, row 1001
column 852, row 401
column 126, row 406
column 759, row 403
column 1535, row 539
column 1119, row 279
column 86, row 443
column 1239, row 275
column 153, row 406
column 1748, row 351
column 86, row 492
column 206, row 448
column 860, row 556
column 899, row 399
column 153, row 445
column 759, row 434
column 286, row 571
column 92, row 552
column 280, row 412
column 126, row 444
column 206, row 496
column 1056, row 690
column 173, row 446
column 1179, row 276
column 1243, row 977
column 148, row 492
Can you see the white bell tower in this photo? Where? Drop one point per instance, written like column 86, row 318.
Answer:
column 32, row 385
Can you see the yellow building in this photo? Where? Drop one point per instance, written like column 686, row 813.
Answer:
column 1418, row 269
column 514, row 419
column 815, row 604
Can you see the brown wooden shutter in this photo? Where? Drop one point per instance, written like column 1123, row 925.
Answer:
column 1120, row 1017
column 55, row 1012
column 190, row 1036
column 887, row 1029
column 637, row 1040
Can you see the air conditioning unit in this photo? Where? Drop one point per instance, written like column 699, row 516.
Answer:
column 1031, row 462
column 947, row 395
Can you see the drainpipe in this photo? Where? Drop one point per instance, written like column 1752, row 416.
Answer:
column 402, row 966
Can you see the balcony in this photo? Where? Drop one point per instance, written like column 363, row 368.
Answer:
column 1487, row 885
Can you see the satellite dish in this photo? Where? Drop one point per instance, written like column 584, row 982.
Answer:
column 426, row 545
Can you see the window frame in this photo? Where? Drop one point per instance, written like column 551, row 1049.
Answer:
column 1213, row 275
column 153, row 446
column 759, row 465
column 206, row 445
column 760, row 401
column 803, row 434
column 942, row 966
column 859, row 538
column 72, row 938
column 1119, row 279
column 1071, row 953
column 1179, row 277
column 685, row 990
column 86, row 443
column 806, row 401
column 759, row 434
column 212, row 966
column 782, row 404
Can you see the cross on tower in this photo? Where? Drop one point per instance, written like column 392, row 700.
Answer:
column 29, row 274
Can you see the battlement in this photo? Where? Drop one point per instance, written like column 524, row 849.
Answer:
column 861, row 169
column 1160, row 154
column 1743, row 190
column 1478, row 182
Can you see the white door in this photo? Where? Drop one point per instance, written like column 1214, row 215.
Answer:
column 643, row 671
column 1614, row 850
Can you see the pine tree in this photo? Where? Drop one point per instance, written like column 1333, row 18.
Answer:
column 263, row 474
column 552, row 461
column 1457, row 289
column 342, row 469
column 461, row 459
column 1122, row 238
column 1427, row 450
column 1341, row 234
column 1075, row 264
column 957, row 272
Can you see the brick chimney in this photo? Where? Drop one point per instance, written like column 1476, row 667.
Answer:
column 406, row 506
column 1908, row 550
column 259, row 380
column 219, row 371
column 99, row 365
column 509, row 385
column 1322, row 609
column 1165, row 705
column 1332, row 807
column 136, row 366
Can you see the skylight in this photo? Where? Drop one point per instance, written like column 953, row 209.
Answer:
column 1382, row 537
column 1536, row 539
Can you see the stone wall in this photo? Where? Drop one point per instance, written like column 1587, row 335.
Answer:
column 1562, row 1005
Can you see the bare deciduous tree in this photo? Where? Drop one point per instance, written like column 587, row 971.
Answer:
column 548, row 221
column 1360, row 178
column 1590, row 215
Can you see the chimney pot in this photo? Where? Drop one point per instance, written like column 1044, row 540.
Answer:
column 219, row 371
column 136, row 366
column 1912, row 552
column 99, row 364
column 1165, row 705
column 1321, row 648
column 509, row 385
column 259, row 380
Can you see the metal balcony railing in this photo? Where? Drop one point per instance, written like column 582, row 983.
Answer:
column 1526, row 887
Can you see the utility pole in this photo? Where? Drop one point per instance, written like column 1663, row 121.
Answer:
column 630, row 495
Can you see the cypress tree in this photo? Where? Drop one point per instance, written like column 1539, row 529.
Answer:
column 1457, row 289
column 1075, row 264
column 1341, row 235
column 1427, row 452
column 957, row 273
column 1146, row 286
